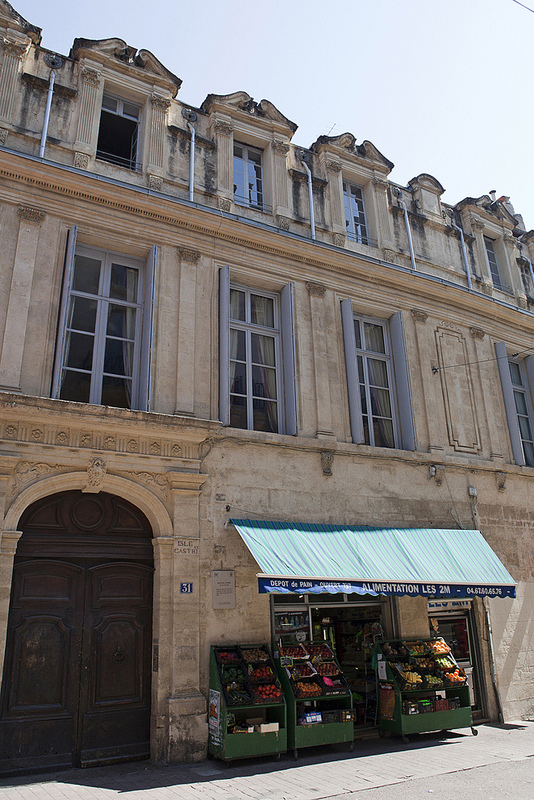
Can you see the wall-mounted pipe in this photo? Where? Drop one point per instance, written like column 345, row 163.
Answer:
column 302, row 155
column 398, row 195
column 190, row 116
column 54, row 62
column 464, row 251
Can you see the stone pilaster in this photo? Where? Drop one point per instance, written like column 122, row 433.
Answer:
column 160, row 105
column 335, row 194
column 14, row 50
column 19, row 298
column 317, row 292
column 8, row 547
column 90, row 100
column 382, row 215
column 280, row 179
column 223, row 131
column 185, row 351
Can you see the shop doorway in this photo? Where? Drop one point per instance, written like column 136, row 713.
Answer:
column 76, row 680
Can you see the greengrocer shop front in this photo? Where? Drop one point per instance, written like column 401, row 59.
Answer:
column 353, row 586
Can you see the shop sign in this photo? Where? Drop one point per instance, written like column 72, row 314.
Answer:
column 449, row 590
column 387, row 700
column 223, row 588
column 448, row 605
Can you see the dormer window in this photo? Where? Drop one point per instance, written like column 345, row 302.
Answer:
column 355, row 213
column 248, row 176
column 119, row 132
column 493, row 263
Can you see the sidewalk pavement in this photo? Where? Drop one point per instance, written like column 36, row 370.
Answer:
column 319, row 772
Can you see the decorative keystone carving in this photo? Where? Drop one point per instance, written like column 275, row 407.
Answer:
column 90, row 76
column 31, row 214
column 155, row 183
column 223, row 128
column 283, row 222
column 316, row 289
column 281, row 148
column 477, row 333
column 225, row 204
column 96, row 470
column 3, row 136
column 158, row 101
column 334, row 166
column 500, row 477
column 437, row 472
column 327, row 462
column 81, row 160
column 188, row 254
column 418, row 315
column 339, row 240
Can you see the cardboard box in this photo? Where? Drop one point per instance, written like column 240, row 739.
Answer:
column 254, row 721
column 268, row 727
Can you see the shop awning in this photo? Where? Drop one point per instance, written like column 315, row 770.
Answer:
column 302, row 558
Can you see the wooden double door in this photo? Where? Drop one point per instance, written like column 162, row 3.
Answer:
column 76, row 680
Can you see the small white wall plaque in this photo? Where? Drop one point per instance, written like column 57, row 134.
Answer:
column 223, row 588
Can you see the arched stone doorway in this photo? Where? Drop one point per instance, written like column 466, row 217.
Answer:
column 76, row 679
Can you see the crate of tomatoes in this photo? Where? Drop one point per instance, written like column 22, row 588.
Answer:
column 267, row 693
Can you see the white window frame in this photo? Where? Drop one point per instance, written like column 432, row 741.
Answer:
column 354, row 231
column 493, row 262
column 141, row 378
column 131, row 162
column 285, row 352
column 528, row 415
column 398, row 377
column 246, row 198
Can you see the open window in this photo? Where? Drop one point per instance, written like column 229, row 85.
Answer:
column 118, row 134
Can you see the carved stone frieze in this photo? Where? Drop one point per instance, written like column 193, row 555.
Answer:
column 283, row 222
column 190, row 255
column 327, row 462
column 96, row 471
column 389, row 255
column 315, row 289
column 223, row 128
column 153, row 480
column 31, row 214
column 225, row 204
column 155, row 183
column 81, row 160
column 477, row 333
column 418, row 315
column 339, row 240
column 29, row 471
column 3, row 136
column 281, row 148
column 90, row 76
column 500, row 477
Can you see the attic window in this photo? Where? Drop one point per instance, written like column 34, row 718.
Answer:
column 118, row 132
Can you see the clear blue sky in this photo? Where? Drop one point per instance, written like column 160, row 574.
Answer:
column 443, row 88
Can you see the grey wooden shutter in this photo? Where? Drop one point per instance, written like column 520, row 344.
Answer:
column 353, row 381
column 402, row 382
column 224, row 345
column 509, row 403
column 147, row 337
column 68, row 273
column 289, row 360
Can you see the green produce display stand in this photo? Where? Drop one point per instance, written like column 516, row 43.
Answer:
column 420, row 688
column 246, row 718
column 323, row 718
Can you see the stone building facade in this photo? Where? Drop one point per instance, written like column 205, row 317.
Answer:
column 185, row 297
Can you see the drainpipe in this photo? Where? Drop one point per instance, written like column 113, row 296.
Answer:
column 54, row 62
column 398, row 195
column 190, row 116
column 303, row 156
column 464, row 251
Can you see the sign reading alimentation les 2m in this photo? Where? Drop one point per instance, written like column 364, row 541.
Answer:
column 223, row 588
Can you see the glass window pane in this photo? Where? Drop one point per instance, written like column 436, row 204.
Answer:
column 380, row 403
column 357, row 333
column 520, row 403
column 75, row 386
column 263, row 350
column 366, row 437
column 515, row 373
column 528, row 449
column 118, row 358
column 123, row 283
column 130, row 110
column 238, row 151
column 121, row 321
column 79, row 351
column 116, row 392
column 109, row 102
column 383, row 432
column 238, row 412
column 238, row 377
column 82, row 313
column 262, row 310
column 265, row 416
column 524, row 427
column 254, row 156
column 238, row 348
column 363, row 398
column 264, row 382
column 377, row 372
column 86, row 274
column 237, row 305
column 374, row 337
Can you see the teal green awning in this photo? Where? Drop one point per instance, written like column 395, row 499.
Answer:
column 305, row 558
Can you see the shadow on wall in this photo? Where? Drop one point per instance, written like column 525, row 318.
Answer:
column 513, row 639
